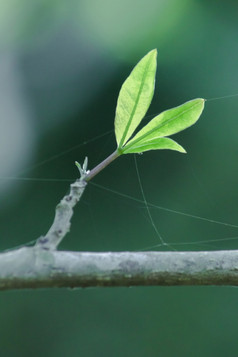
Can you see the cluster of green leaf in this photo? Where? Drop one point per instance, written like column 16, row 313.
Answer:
column 133, row 102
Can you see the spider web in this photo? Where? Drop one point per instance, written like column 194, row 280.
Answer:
column 150, row 209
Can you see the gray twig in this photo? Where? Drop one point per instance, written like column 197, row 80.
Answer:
column 64, row 212
column 38, row 268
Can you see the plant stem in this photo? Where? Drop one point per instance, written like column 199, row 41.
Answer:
column 64, row 210
column 32, row 267
column 101, row 166
column 63, row 214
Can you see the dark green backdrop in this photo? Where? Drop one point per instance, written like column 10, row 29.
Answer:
column 61, row 68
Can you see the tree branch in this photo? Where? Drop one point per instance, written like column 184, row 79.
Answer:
column 64, row 212
column 42, row 266
column 34, row 267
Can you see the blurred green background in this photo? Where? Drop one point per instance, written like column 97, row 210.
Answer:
column 61, row 68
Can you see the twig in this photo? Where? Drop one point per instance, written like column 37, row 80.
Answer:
column 64, row 212
column 38, row 268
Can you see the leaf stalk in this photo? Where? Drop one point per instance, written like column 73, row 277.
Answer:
column 102, row 165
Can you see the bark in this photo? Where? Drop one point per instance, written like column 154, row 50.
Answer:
column 34, row 267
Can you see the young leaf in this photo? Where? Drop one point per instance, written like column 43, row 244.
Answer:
column 135, row 97
column 167, row 123
column 154, row 144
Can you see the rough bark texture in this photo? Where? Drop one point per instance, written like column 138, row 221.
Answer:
column 35, row 267
column 63, row 214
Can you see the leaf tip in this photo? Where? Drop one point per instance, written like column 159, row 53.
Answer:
column 154, row 52
column 180, row 149
column 201, row 100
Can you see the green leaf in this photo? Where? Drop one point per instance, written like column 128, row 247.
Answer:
column 135, row 97
column 154, row 144
column 168, row 123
